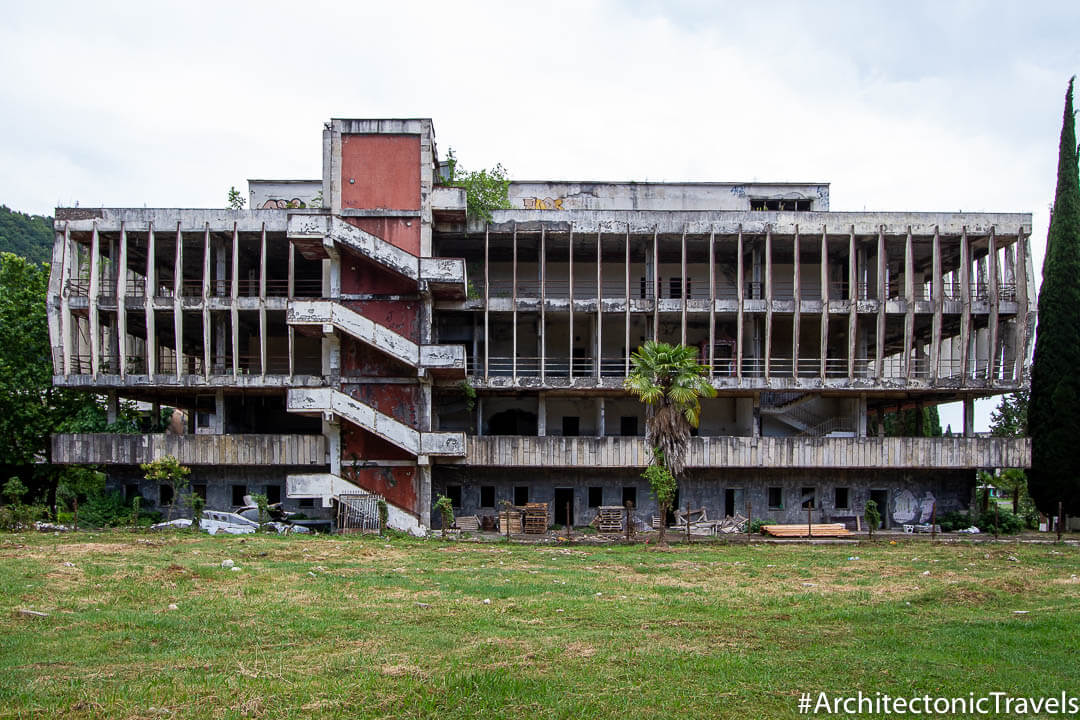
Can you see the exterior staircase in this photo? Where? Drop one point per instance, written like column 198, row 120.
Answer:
column 801, row 411
column 444, row 359
column 358, row 509
column 328, row 400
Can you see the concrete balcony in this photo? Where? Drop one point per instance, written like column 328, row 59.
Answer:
column 764, row 452
column 116, row 449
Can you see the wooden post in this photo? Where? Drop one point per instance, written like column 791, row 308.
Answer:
column 1061, row 517
column 569, row 522
column 997, row 516
column 933, row 522
column 687, row 521
column 747, row 522
column 810, row 520
column 629, row 512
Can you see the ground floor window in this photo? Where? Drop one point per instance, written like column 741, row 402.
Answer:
column 841, row 499
column 273, row 494
column 596, row 496
column 776, row 498
column 808, row 498
column 238, row 493
column 487, row 496
column 629, row 495
column 454, row 493
column 306, row 503
column 165, row 494
column 521, row 495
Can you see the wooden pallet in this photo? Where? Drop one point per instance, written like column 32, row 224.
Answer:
column 513, row 518
column 468, row 523
column 536, row 518
column 816, row 530
column 609, row 519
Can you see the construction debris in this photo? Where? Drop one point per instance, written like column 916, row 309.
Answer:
column 536, row 518
column 467, row 523
column 815, row 530
column 511, row 518
column 609, row 519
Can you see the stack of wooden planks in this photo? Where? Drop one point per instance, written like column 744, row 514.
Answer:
column 816, row 530
column 511, row 518
column 468, row 523
column 536, row 518
column 609, row 519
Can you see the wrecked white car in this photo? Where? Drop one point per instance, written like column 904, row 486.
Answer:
column 215, row 521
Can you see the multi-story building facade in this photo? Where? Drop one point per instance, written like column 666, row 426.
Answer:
column 385, row 342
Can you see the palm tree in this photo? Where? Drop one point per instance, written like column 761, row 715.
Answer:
column 671, row 382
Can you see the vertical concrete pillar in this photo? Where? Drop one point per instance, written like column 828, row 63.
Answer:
column 541, row 414
column 479, row 416
column 542, row 335
column 796, row 294
column 823, row 344
column 570, row 362
column 756, row 429
column 861, row 419
column 112, row 407
column 148, row 304
column 219, row 412
column 1020, row 337
column 909, row 304
column 95, row 296
column 626, row 301
column 513, row 304
column 937, row 296
column 424, row 501
column 599, row 335
column 965, row 300
column 969, row 417
column 853, row 303
column 600, row 429
column 234, row 293
column 882, row 297
column 712, row 305
column 682, row 289
column 66, row 319
column 335, row 272
column 656, row 283
column 740, row 297
column 768, row 299
column 206, row 281
column 487, row 299
column 121, row 304
column 994, row 293
column 332, row 432
column 178, row 307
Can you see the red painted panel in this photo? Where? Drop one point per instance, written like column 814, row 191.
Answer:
column 380, row 171
column 399, row 485
column 400, row 232
column 358, row 445
column 401, row 316
column 398, row 401
column 361, row 276
column 360, row 359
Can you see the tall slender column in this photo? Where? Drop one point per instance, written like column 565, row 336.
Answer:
column 938, row 292
column 740, row 296
column 626, row 299
column 712, row 303
column 487, row 303
column 879, row 344
column 768, row 300
column 656, row 283
column 1020, row 338
column 909, row 303
column 796, row 294
column 121, row 304
column 234, row 293
column 853, row 303
column 178, row 306
column 206, row 301
column 995, row 298
column 965, row 300
column 682, row 290
column 541, row 414
column 570, row 365
column 148, row 305
column 599, row 308
column 513, row 303
column 95, row 296
column 543, row 305
column 262, row 299
column 823, row 344
column 291, row 293
column 66, row 319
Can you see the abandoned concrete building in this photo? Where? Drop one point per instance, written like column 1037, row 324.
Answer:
column 360, row 334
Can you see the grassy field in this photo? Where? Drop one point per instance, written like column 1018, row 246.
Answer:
column 365, row 627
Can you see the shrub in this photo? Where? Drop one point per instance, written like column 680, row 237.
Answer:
column 18, row 516
column 758, row 526
column 105, row 509
column 445, row 506
column 1006, row 522
column 871, row 517
column 954, row 520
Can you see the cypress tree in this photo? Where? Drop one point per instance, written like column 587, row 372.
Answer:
column 1053, row 415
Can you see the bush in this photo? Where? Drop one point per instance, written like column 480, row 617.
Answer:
column 758, row 526
column 1007, row 522
column 954, row 520
column 18, row 516
column 106, row 509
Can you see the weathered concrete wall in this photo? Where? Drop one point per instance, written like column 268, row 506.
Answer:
column 276, row 194
column 116, row 449
column 552, row 195
column 399, row 485
column 907, row 493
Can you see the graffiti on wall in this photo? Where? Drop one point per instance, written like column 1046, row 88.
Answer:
column 909, row 509
column 537, row 203
column 282, row 204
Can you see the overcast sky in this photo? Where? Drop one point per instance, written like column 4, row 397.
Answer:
column 900, row 105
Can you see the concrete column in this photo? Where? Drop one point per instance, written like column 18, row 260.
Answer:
column 656, row 283
column 542, row 335
column 879, row 344
column 861, row 419
column 424, row 472
column 757, row 416
column 219, row 412
column 178, row 308
column 823, row 344
column 479, row 416
column 682, row 290
column 626, row 300
column 599, row 335
column 335, row 270
column 969, row 417
column 1020, row 337
column 95, row 296
column 206, row 269
column 148, row 305
column 995, row 297
column 112, row 407
column 853, row 303
column 600, row 429
column 234, row 293
column 938, row 292
column 121, row 304
column 66, row 319
column 570, row 364
column 487, row 299
column 740, row 297
column 541, row 414
column 909, row 303
column 796, row 294
column 768, row 299
column 965, row 300
column 332, row 432
column 513, row 305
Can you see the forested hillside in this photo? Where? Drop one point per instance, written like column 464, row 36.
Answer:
column 30, row 236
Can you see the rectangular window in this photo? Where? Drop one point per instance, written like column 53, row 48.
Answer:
column 788, row 205
column 675, row 288
column 487, row 496
column 571, row 425
column 306, row 503
column 238, row 493
column 840, row 502
column 521, row 495
column 199, row 489
column 629, row 495
column 776, row 498
column 165, row 495
column 808, row 498
column 596, row 496
column 454, row 493
column 273, row 494
column 131, row 491
column 628, row 426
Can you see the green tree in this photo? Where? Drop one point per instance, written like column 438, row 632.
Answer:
column 1010, row 419
column 75, row 481
column 30, row 407
column 906, row 423
column 671, row 382
column 235, row 200
column 1053, row 421
column 872, row 517
column 169, row 472
column 485, row 190
column 29, row 236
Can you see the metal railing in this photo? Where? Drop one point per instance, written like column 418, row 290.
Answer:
column 358, row 512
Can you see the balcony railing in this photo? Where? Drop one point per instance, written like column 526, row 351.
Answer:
column 238, row 449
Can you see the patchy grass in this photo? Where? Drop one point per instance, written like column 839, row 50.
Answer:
column 365, row 627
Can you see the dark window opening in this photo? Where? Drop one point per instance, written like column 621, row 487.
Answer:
column 165, row 495
column 841, row 499
column 729, row 502
column 881, row 497
column 454, row 493
column 571, row 426
column 628, row 425
column 596, row 496
column 790, row 205
column 564, row 506
column 487, row 496
column 629, row 495
column 199, row 489
column 238, row 493
column 808, row 498
column 131, row 491
column 521, row 495
column 776, row 498
column 273, row 494
column 675, row 288
column 306, row 503
column 644, row 291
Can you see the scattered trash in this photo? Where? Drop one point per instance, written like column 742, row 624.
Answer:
column 423, row 605
column 926, row 572
column 174, row 606
column 227, row 563
column 558, row 610
column 69, row 564
column 487, row 601
column 217, row 521
column 32, row 613
column 971, row 531
column 599, row 594
column 809, row 584
column 235, row 569
column 853, row 557
column 1012, row 558
column 1021, row 612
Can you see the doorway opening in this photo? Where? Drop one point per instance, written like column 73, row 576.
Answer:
column 564, row 506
